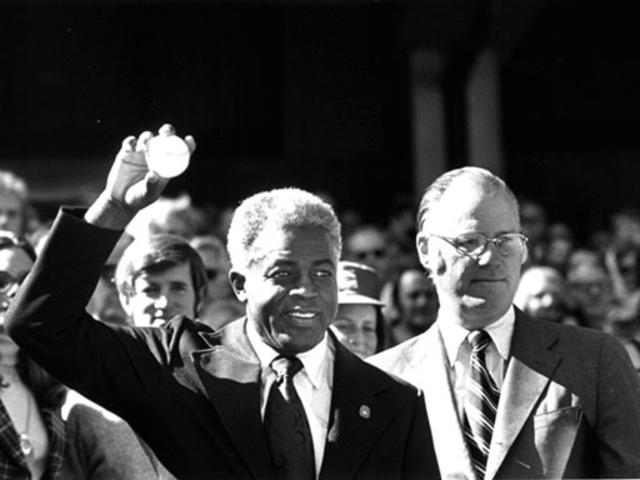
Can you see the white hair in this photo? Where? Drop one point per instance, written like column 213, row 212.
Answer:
column 280, row 209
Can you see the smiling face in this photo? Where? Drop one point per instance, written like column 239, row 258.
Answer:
column 356, row 325
column 290, row 287
column 417, row 299
column 476, row 292
column 160, row 295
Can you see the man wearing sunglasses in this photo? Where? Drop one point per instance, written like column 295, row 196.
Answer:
column 508, row 396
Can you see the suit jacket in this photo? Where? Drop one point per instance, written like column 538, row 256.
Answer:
column 102, row 446
column 13, row 464
column 569, row 405
column 193, row 394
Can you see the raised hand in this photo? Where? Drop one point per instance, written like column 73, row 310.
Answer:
column 130, row 185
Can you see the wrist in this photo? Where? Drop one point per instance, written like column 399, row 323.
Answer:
column 106, row 212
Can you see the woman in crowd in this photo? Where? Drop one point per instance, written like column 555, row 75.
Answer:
column 359, row 323
column 32, row 438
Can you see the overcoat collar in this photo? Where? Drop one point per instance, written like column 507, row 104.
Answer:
column 230, row 373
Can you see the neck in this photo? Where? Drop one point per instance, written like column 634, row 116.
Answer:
column 8, row 352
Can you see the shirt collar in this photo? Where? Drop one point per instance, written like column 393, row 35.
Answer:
column 312, row 360
column 500, row 332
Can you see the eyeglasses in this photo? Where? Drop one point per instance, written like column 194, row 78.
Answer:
column 212, row 274
column 375, row 253
column 475, row 244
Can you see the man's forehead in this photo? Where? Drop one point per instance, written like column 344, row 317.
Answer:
column 166, row 270
column 283, row 242
column 465, row 197
column 366, row 238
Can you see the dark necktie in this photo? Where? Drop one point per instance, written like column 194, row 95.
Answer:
column 286, row 425
column 481, row 402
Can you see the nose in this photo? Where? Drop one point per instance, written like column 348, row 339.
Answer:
column 305, row 288
column 4, row 303
column 489, row 253
column 161, row 302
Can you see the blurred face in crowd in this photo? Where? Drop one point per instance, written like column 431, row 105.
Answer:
column 356, row 324
column 11, row 213
column 534, row 221
column 627, row 229
column 290, row 287
column 591, row 290
column 105, row 304
column 628, row 266
column 475, row 290
column 15, row 264
column 540, row 294
column 369, row 246
column 417, row 299
column 159, row 295
column 217, row 265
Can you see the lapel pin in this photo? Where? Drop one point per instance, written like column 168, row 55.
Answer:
column 365, row 411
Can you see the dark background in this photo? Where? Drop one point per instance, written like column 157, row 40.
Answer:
column 313, row 94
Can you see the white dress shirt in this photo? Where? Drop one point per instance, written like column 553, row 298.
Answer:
column 314, row 384
column 458, row 352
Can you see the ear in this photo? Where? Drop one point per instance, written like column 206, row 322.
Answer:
column 422, row 246
column 202, row 298
column 125, row 302
column 238, row 281
column 525, row 254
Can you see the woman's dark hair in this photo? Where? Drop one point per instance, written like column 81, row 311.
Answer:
column 48, row 392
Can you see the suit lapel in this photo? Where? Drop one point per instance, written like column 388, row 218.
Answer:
column 530, row 368
column 230, row 374
column 352, row 429
column 451, row 448
column 9, row 441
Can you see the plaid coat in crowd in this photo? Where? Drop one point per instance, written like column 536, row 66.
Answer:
column 13, row 464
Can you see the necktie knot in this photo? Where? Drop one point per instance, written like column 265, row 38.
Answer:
column 286, row 367
column 479, row 340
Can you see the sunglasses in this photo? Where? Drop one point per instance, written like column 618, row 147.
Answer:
column 373, row 253
column 212, row 274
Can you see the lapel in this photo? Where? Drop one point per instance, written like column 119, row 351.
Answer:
column 450, row 445
column 9, row 441
column 230, row 373
column 350, row 435
column 530, row 368
column 56, row 430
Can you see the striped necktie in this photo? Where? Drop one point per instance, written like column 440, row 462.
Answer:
column 481, row 402
column 286, row 425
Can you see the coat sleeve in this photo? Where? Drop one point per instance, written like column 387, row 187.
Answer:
column 108, row 364
column 617, row 426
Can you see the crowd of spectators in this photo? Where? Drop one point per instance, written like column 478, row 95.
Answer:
column 592, row 282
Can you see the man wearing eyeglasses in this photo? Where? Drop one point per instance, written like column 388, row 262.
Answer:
column 509, row 396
